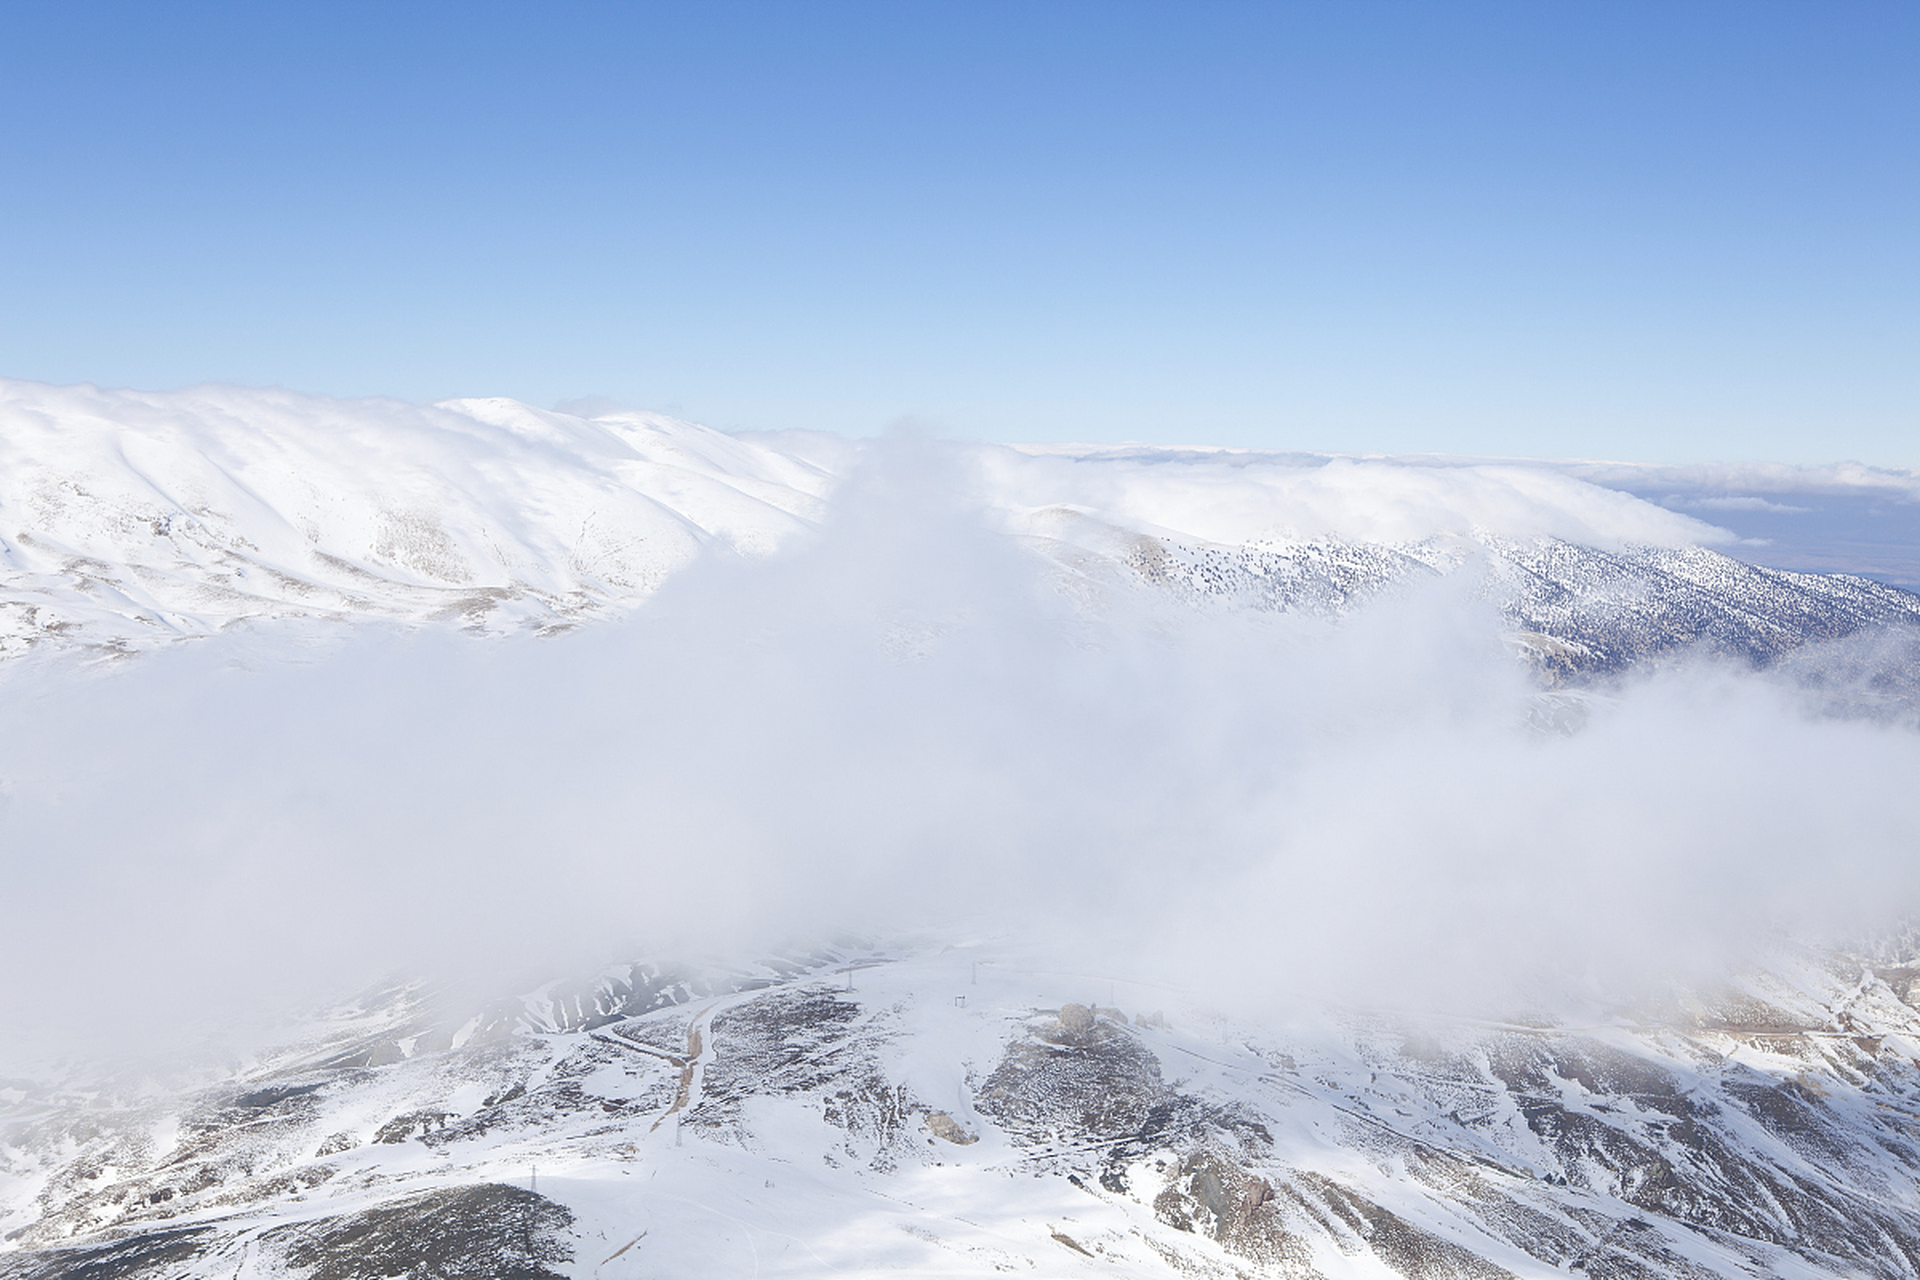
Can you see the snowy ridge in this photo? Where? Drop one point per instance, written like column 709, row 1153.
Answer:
column 948, row 1109
column 131, row 519
column 958, row 1111
column 128, row 519
column 1577, row 610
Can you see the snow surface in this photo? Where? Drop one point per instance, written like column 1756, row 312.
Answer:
column 132, row 518
column 862, row 1109
column 826, row 1158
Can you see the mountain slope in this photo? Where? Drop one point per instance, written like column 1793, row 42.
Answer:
column 128, row 520
column 131, row 519
column 956, row 1112
column 957, row 1109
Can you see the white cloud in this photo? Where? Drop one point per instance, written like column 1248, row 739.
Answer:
column 1744, row 502
column 1842, row 478
column 896, row 726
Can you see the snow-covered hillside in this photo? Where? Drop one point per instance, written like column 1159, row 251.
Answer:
column 132, row 519
column 965, row 1111
column 1190, row 883
column 129, row 519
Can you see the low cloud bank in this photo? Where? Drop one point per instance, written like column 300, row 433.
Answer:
column 1845, row 518
column 898, row 726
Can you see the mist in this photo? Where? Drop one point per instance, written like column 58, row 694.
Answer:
column 901, row 727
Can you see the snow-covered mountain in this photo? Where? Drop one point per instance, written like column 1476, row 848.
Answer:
column 1070, row 1080
column 129, row 520
column 964, row 1111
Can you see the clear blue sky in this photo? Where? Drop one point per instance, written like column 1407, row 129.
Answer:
column 1663, row 231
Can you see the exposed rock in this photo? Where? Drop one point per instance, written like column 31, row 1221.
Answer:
column 153, row 1256
column 947, row 1129
column 487, row 1232
column 410, row 1125
column 1760, row 1131
column 1076, row 1077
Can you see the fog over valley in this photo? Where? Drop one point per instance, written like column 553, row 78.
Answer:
column 496, row 704
column 1091, row 641
column 911, row 690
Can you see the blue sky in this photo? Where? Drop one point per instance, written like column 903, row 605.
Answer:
column 1651, row 231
